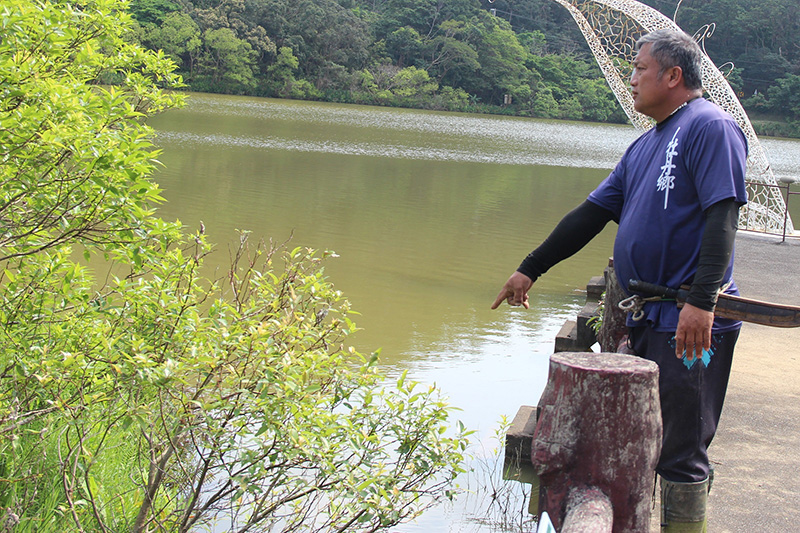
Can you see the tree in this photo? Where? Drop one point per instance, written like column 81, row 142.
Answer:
column 501, row 57
column 228, row 60
column 450, row 56
column 412, row 82
column 404, row 45
column 784, row 96
column 152, row 11
column 571, row 108
column 559, row 32
column 179, row 37
column 760, row 37
column 760, row 68
column 74, row 151
column 416, row 14
column 329, row 41
column 597, row 100
column 521, row 45
column 545, row 104
column 151, row 398
column 282, row 81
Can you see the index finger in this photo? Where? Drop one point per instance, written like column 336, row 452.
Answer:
column 505, row 293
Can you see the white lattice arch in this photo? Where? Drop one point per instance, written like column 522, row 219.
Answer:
column 611, row 27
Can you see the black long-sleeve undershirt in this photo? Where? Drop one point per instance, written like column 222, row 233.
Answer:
column 584, row 222
column 575, row 230
column 716, row 248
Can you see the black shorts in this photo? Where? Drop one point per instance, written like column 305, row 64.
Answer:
column 692, row 394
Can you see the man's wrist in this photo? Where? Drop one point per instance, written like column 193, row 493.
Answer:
column 529, row 268
column 702, row 298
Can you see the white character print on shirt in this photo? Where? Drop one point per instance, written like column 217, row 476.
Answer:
column 666, row 180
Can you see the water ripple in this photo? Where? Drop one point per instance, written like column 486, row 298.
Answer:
column 525, row 150
column 477, row 138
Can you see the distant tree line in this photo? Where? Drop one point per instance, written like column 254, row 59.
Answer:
column 522, row 57
column 435, row 54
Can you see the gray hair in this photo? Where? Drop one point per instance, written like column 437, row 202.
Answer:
column 672, row 48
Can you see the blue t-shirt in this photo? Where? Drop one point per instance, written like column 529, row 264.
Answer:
column 658, row 193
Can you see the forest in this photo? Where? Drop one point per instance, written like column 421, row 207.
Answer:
column 516, row 57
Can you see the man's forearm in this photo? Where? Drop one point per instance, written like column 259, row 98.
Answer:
column 716, row 248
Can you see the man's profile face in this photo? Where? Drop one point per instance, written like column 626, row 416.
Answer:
column 649, row 89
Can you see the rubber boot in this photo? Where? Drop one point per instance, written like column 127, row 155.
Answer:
column 683, row 506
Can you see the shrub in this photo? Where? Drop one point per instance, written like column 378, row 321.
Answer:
column 151, row 398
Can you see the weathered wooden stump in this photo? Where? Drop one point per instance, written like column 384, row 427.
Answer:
column 599, row 428
column 614, row 332
column 588, row 511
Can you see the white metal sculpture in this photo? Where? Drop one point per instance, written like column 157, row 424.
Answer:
column 612, row 27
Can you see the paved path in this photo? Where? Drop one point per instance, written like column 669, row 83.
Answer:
column 756, row 453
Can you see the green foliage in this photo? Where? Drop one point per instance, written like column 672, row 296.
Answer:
column 153, row 11
column 784, row 96
column 597, row 101
column 734, row 77
column 758, row 103
column 571, row 108
column 778, row 128
column 179, row 37
column 413, row 82
column 74, row 152
column 323, row 35
column 572, row 89
column 468, row 55
column 502, row 59
column 228, row 62
column 778, row 112
column 138, row 395
column 526, row 47
column 596, row 320
column 405, row 45
column 742, row 28
column 243, row 400
column 759, row 68
column 454, row 60
column 545, row 105
column 407, row 87
column 282, row 82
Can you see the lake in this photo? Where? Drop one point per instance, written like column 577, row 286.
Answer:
column 429, row 213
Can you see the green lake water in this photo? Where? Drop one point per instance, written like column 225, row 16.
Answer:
column 429, row 213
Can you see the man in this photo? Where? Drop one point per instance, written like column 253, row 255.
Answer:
column 675, row 194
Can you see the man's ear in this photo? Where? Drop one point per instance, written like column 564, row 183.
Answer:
column 674, row 76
